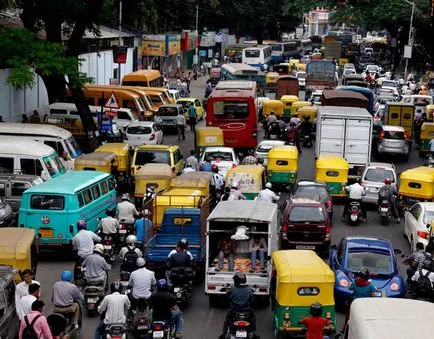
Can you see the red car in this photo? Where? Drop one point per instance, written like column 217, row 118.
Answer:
column 306, row 225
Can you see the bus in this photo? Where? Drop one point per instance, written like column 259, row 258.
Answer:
column 236, row 71
column 257, row 56
column 282, row 51
column 232, row 107
column 143, row 78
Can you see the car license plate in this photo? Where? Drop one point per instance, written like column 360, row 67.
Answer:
column 304, row 247
column 142, row 327
column 240, row 334
column 158, row 334
column 383, row 209
column 46, row 233
column 107, row 247
column 122, row 231
column 176, row 289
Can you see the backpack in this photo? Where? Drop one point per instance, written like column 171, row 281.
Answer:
column 130, row 257
column 423, row 285
column 383, row 193
column 29, row 331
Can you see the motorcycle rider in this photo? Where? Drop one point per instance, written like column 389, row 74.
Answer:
column 126, row 210
column 143, row 227
column 65, row 297
column 141, row 281
column 178, row 259
column 389, row 193
column 240, row 300
column 164, row 307
column 416, row 259
column 306, row 126
column 315, row 323
column 267, row 194
column 356, row 191
column 109, row 225
column 129, row 254
column 113, row 306
column 236, row 194
column 96, row 267
column 293, row 136
column 181, row 245
column 217, row 183
column 83, row 240
column 270, row 119
column 295, row 119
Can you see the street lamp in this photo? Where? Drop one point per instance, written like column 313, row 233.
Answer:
column 409, row 34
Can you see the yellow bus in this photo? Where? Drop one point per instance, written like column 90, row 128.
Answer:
column 143, row 78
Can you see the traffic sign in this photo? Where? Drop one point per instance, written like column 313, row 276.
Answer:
column 112, row 102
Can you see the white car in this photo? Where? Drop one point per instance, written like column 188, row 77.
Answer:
column 301, row 76
column 386, row 90
column 224, row 157
column 264, row 147
column 349, row 66
column 143, row 133
column 373, row 69
column 417, row 223
column 373, row 179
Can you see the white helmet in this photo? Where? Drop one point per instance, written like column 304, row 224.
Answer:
column 140, row 262
column 146, row 212
column 131, row 240
column 125, row 196
column 98, row 248
column 268, row 185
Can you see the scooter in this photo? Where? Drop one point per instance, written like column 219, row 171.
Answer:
column 125, row 229
column 61, row 327
column 123, row 281
column 93, row 295
column 354, row 213
column 384, row 211
column 239, row 327
column 108, row 243
column 182, row 281
column 138, row 320
column 307, row 140
column 161, row 329
column 115, row 331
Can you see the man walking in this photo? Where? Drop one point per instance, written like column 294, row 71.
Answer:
column 180, row 125
column 192, row 116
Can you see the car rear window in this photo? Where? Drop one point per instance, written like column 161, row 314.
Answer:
column 155, row 157
column 306, row 214
column 223, row 156
column 167, row 112
column 312, row 190
column 428, row 217
column 378, row 175
column 139, row 130
column 47, row 202
column 394, row 135
column 375, row 262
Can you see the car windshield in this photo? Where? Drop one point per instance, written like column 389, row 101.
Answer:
column 388, row 84
column 73, row 148
column 252, row 53
column 167, row 111
column 139, row 130
column 316, row 97
column 428, row 217
column 309, row 190
column 375, row 262
column 378, row 175
column 155, row 157
column 372, row 68
column 384, row 99
column 301, row 75
column 218, row 156
column 349, row 71
column 264, row 148
column 306, row 214
column 54, row 165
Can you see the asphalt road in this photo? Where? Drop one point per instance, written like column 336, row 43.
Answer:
column 201, row 321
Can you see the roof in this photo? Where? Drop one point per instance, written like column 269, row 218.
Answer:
column 186, row 99
column 15, row 242
column 235, row 84
column 155, row 147
column 218, row 149
column 357, row 242
column 68, row 183
column 381, row 164
column 284, row 152
column 24, row 147
column 310, row 199
column 324, row 160
column 95, row 158
column 244, row 211
column 141, row 123
column 34, row 129
column 192, row 180
column 154, row 171
column 341, row 110
column 272, row 143
column 171, row 105
column 333, row 94
column 254, row 169
column 139, row 74
column 393, row 128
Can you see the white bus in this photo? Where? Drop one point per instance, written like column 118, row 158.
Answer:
column 257, row 56
column 58, row 138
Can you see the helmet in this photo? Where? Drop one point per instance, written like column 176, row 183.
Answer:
column 162, row 284
column 250, row 152
column 387, row 181
column 140, row 262
column 111, row 212
column 363, row 273
column 98, row 248
column 427, row 264
column 272, row 112
column 146, row 212
column 66, row 276
column 183, row 243
column 215, row 168
column 239, row 278
column 126, row 196
column 115, row 286
column 188, row 164
column 316, row 309
column 81, row 225
column 131, row 240
column 268, row 185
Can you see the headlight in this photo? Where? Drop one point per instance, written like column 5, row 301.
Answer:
column 394, row 287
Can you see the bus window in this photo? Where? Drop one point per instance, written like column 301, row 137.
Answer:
column 80, row 200
column 47, row 202
column 231, row 109
column 96, row 192
column 87, row 196
column 112, row 183
column 104, row 187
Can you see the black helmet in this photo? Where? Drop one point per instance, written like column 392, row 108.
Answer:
column 260, row 161
column 316, row 309
column 292, row 124
column 115, row 286
column 363, row 273
column 111, row 212
column 239, row 278
column 183, row 243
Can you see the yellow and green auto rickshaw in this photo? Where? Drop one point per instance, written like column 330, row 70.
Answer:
column 96, row 161
column 207, row 137
column 121, row 165
column 416, row 185
column 288, row 100
column 271, row 81
column 333, row 170
column 197, row 180
column 275, row 106
column 426, row 135
column 429, row 110
column 307, row 111
column 157, row 176
column 298, row 104
column 302, row 278
column 282, row 166
column 250, row 179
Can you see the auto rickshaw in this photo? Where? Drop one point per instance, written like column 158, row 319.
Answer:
column 426, row 135
column 415, row 185
column 333, row 170
column 271, row 81
column 272, row 105
column 96, row 161
column 302, row 278
column 19, row 248
column 207, row 137
column 283, row 166
column 214, row 76
column 121, row 165
column 157, row 176
column 250, row 179
column 298, row 104
column 288, row 100
column 307, row 111
column 429, row 110
column 196, row 180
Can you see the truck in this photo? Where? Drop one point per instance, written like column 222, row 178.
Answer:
column 345, row 132
column 344, row 98
column 239, row 221
column 333, row 49
column 287, row 85
column 321, row 75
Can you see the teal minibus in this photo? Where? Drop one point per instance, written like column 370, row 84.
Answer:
column 53, row 208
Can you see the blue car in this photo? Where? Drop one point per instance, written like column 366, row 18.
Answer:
column 377, row 255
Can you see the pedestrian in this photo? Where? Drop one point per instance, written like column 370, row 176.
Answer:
column 35, row 118
column 27, row 301
column 1, row 118
column 35, row 323
column 188, row 80
column 193, row 161
column 192, row 116
column 25, row 119
column 180, row 125
column 22, row 288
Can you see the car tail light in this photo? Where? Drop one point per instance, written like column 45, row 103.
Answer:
column 394, row 287
column 211, row 287
column 423, row 234
column 405, row 137
column 344, row 283
column 107, row 242
column 234, row 165
column 284, row 228
column 241, row 323
column 329, row 203
column 152, row 137
column 157, row 328
column 328, row 228
column 382, row 135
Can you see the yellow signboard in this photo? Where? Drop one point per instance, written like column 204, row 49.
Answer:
column 153, row 48
column 174, row 47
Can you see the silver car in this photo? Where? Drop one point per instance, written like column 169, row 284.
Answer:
column 373, row 178
column 264, row 147
column 392, row 140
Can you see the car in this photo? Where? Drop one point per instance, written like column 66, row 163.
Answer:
column 392, row 91
column 305, row 225
column 349, row 66
column 301, row 76
column 12, row 187
column 264, row 147
column 223, row 157
column 167, row 114
column 389, row 83
column 143, row 133
column 377, row 255
column 380, row 110
column 417, row 223
column 372, row 69
column 315, row 98
column 383, row 99
column 7, row 217
column 364, row 60
column 313, row 188
column 373, row 178
column 186, row 102
column 348, row 71
column 392, row 140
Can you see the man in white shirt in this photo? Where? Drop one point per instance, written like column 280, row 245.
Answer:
column 188, row 168
column 22, row 289
column 356, row 192
column 114, row 305
column 27, row 301
column 141, row 281
column 109, row 224
column 82, row 242
column 267, row 194
column 416, row 276
column 66, row 161
column 193, row 161
column 127, row 210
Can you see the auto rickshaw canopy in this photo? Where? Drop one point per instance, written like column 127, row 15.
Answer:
column 417, row 182
column 122, row 161
column 272, row 105
column 96, row 159
column 209, row 136
column 154, row 172
column 198, row 180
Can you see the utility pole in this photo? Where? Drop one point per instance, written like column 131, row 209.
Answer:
column 409, row 37
column 196, row 56
column 120, row 38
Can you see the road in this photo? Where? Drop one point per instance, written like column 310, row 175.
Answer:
column 201, row 321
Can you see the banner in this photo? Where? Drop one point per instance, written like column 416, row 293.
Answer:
column 154, row 48
column 173, row 45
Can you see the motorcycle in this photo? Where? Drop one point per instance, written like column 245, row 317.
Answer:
column 124, row 280
column 384, row 211
column 274, row 131
column 60, row 325
column 125, row 229
column 161, row 329
column 115, row 331
column 307, row 140
column 181, row 279
column 93, row 295
column 239, row 327
column 138, row 320
column 108, row 243
column 78, row 271
column 354, row 213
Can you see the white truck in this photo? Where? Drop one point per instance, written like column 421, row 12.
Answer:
column 238, row 222
column 346, row 132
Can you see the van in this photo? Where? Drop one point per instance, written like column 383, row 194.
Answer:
column 12, row 187
column 168, row 114
column 29, row 157
column 158, row 154
column 144, row 78
column 174, row 93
